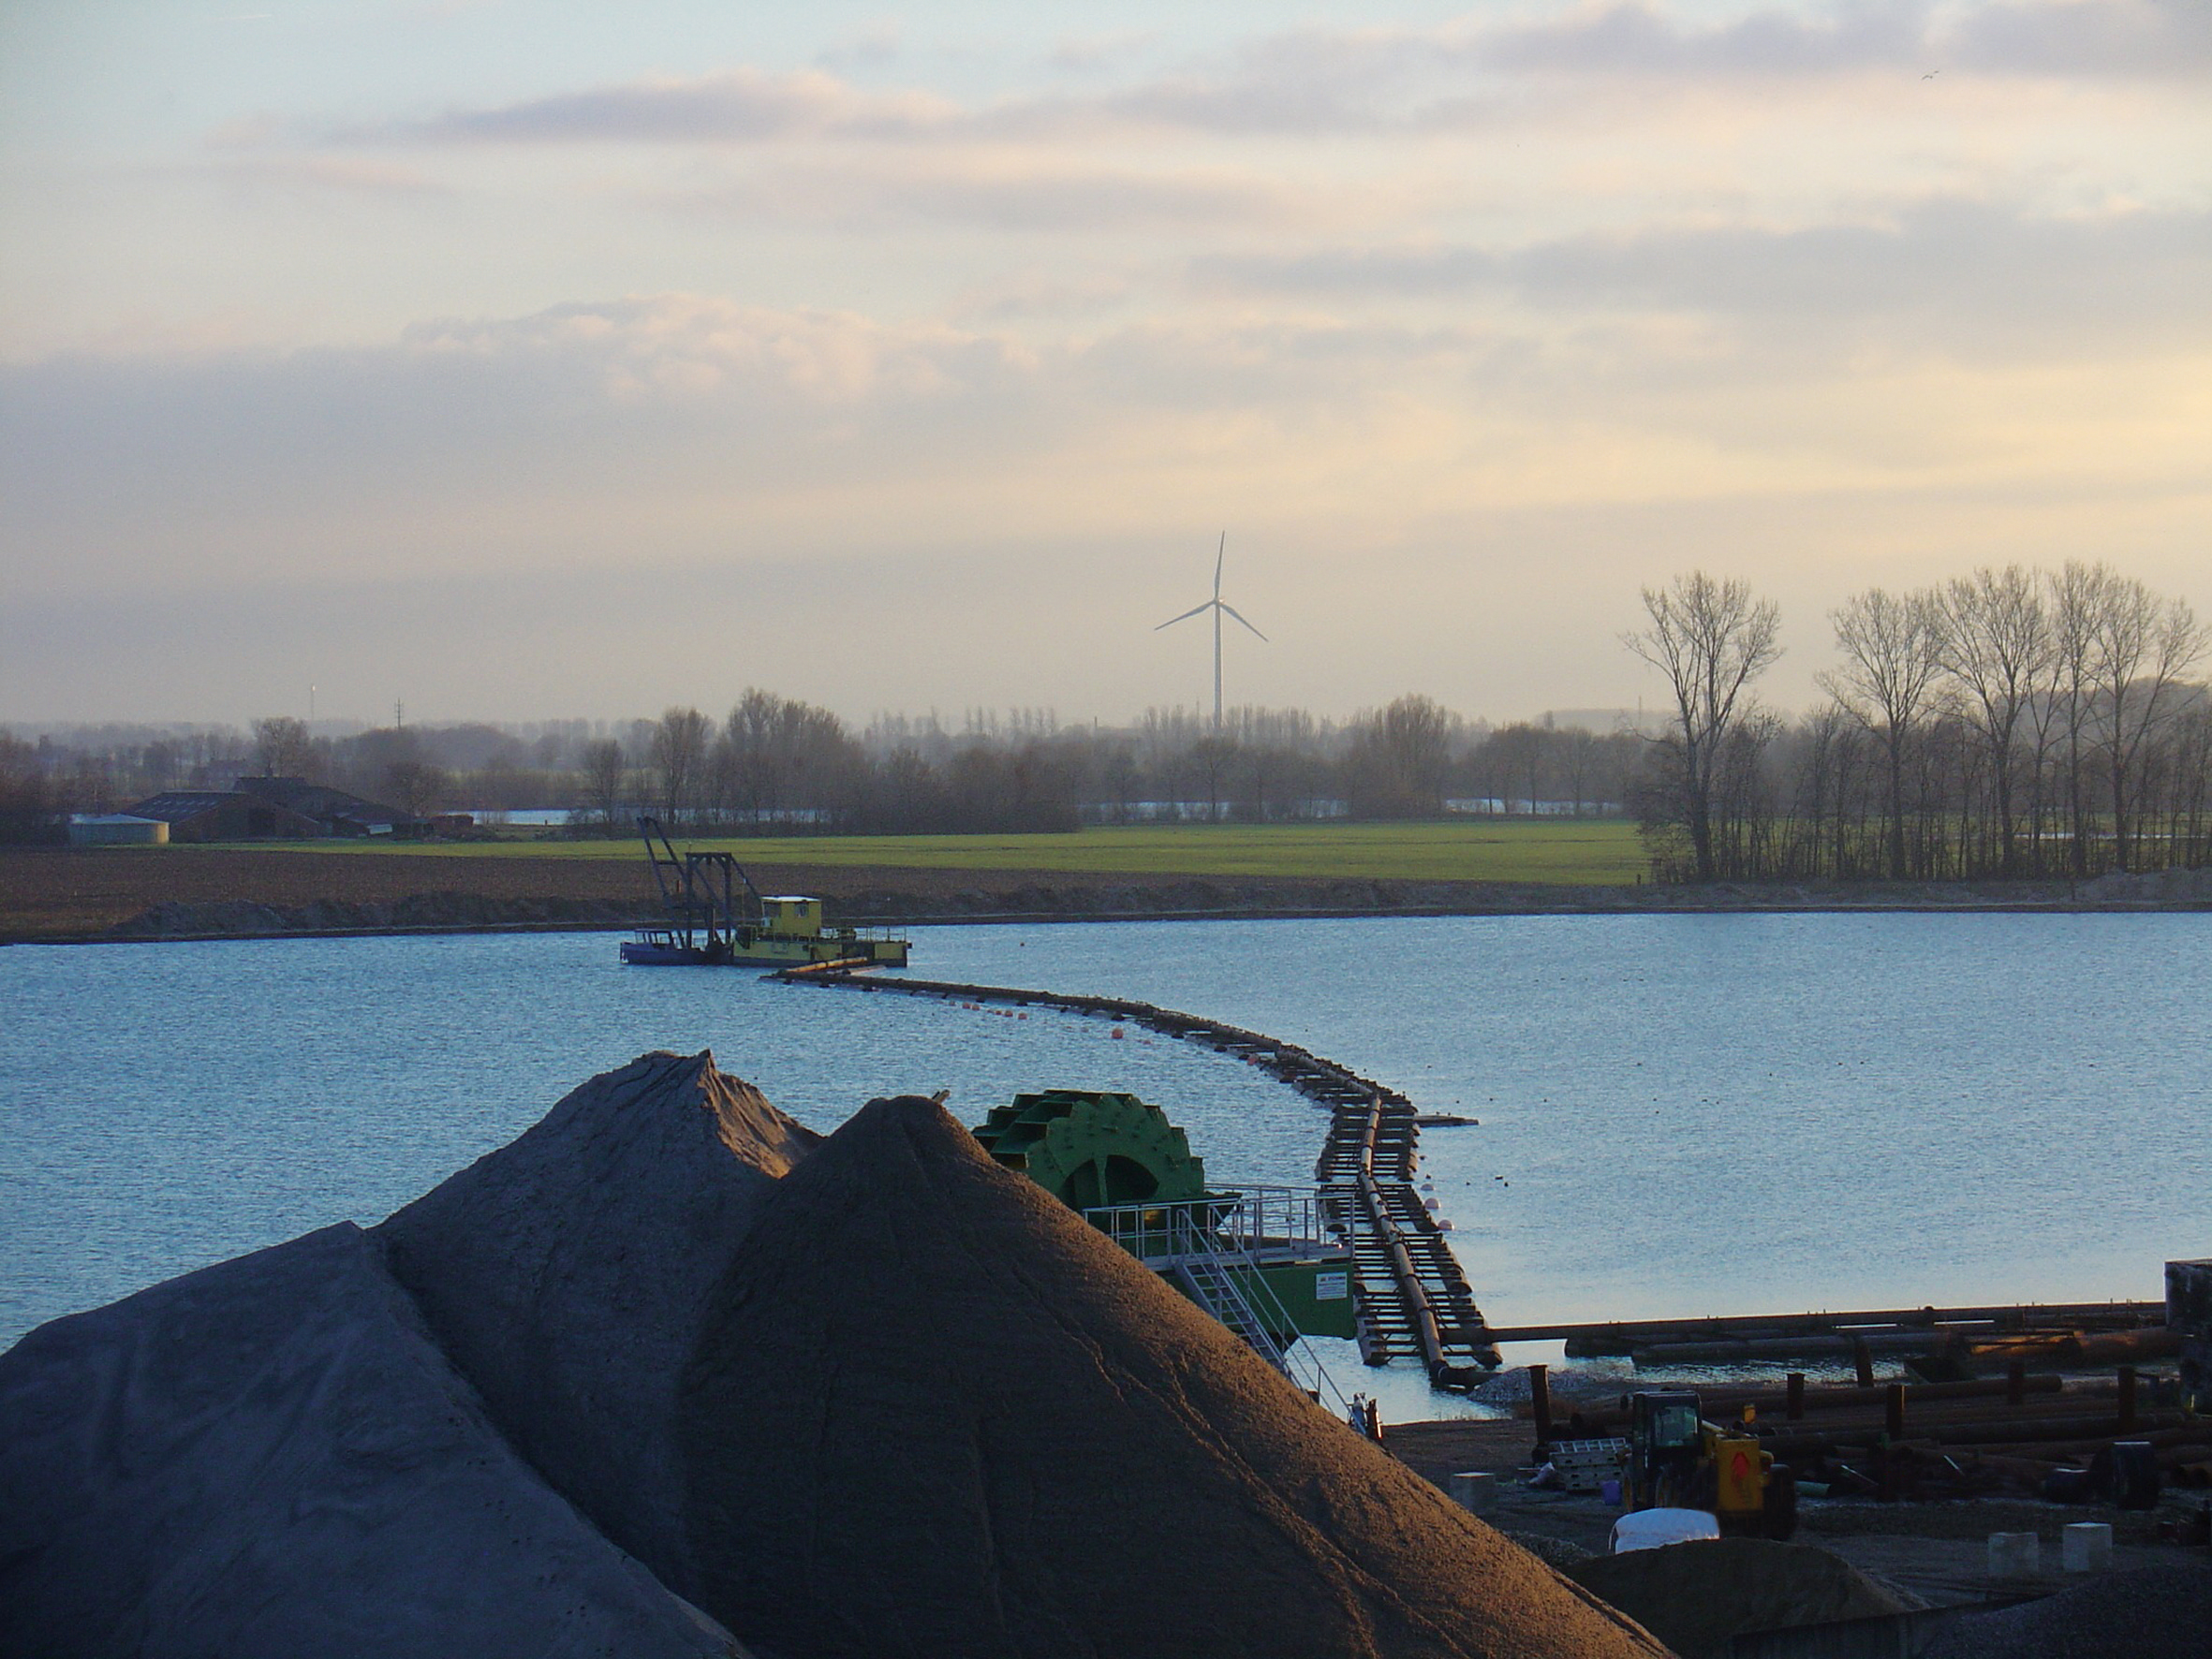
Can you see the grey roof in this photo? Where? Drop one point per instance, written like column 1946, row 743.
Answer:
column 318, row 800
column 173, row 804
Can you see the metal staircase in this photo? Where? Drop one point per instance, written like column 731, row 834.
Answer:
column 1215, row 1249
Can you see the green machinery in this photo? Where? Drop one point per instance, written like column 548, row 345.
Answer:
column 1258, row 1259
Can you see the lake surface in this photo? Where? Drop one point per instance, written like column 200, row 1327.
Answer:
column 1680, row 1114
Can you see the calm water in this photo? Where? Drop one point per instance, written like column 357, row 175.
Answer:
column 1680, row 1114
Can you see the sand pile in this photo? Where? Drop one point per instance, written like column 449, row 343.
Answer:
column 566, row 1275
column 1695, row 1596
column 2162, row 1612
column 934, row 1412
column 270, row 1458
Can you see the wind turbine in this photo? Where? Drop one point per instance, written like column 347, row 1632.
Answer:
column 1218, row 606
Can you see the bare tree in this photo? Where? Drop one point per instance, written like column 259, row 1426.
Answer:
column 1891, row 649
column 1711, row 640
column 1520, row 750
column 604, row 776
column 2077, row 602
column 1400, row 755
column 2140, row 647
column 417, row 786
column 1210, row 759
column 1996, row 646
column 1578, row 754
column 281, row 747
column 679, row 756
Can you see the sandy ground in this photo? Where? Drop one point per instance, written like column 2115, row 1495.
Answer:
column 1939, row 1552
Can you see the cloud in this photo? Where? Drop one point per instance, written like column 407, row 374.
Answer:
column 555, row 492
column 1967, row 272
column 1319, row 81
column 2063, row 39
column 993, row 191
column 1641, row 39
column 472, row 439
column 740, row 106
column 2155, row 39
column 323, row 175
column 870, row 47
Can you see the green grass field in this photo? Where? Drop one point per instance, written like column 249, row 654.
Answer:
column 1591, row 853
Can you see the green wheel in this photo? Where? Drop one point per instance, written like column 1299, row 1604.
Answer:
column 1090, row 1149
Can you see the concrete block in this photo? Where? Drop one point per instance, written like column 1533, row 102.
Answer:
column 2085, row 1546
column 2015, row 1555
column 1473, row 1490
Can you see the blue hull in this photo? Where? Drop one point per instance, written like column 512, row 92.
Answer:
column 639, row 954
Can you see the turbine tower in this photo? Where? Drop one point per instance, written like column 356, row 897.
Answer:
column 1219, row 608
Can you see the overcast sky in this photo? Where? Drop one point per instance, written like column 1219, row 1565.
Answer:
column 527, row 359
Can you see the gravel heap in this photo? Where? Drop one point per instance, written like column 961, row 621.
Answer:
column 269, row 1459
column 2160, row 1612
column 1696, row 1596
column 669, row 1351
column 567, row 1273
column 935, row 1413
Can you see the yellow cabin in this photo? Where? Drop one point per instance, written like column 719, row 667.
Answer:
column 792, row 916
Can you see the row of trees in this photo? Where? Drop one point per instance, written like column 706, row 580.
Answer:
column 774, row 763
column 2010, row 723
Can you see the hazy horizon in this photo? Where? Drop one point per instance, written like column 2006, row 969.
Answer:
column 512, row 359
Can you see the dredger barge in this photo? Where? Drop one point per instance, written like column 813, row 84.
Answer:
column 709, row 926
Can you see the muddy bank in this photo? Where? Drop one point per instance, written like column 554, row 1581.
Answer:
column 125, row 893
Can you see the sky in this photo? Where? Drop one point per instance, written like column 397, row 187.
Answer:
column 524, row 361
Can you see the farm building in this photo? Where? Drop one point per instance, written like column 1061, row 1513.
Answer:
column 226, row 814
column 273, row 809
column 340, row 812
column 116, row 830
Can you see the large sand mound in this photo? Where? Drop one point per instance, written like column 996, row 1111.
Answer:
column 1696, row 1596
column 270, row 1457
column 566, row 1274
column 934, row 1414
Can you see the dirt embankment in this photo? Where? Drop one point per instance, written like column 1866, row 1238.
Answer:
column 148, row 893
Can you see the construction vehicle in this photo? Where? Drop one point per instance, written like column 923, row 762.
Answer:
column 1679, row 1461
column 709, row 926
column 1260, row 1260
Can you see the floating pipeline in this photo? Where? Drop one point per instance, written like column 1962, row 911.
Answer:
column 1413, row 1301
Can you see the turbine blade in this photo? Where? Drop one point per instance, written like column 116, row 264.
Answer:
column 1232, row 611
column 1220, row 553
column 1194, row 610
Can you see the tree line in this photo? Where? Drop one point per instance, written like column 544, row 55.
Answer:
column 2012, row 723
column 775, row 764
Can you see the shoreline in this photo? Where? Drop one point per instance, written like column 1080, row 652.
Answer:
column 219, row 922
column 118, row 895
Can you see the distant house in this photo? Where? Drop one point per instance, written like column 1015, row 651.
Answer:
column 273, row 809
column 116, row 830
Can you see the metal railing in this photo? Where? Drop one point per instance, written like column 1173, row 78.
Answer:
column 1269, row 1223
column 1216, row 1246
